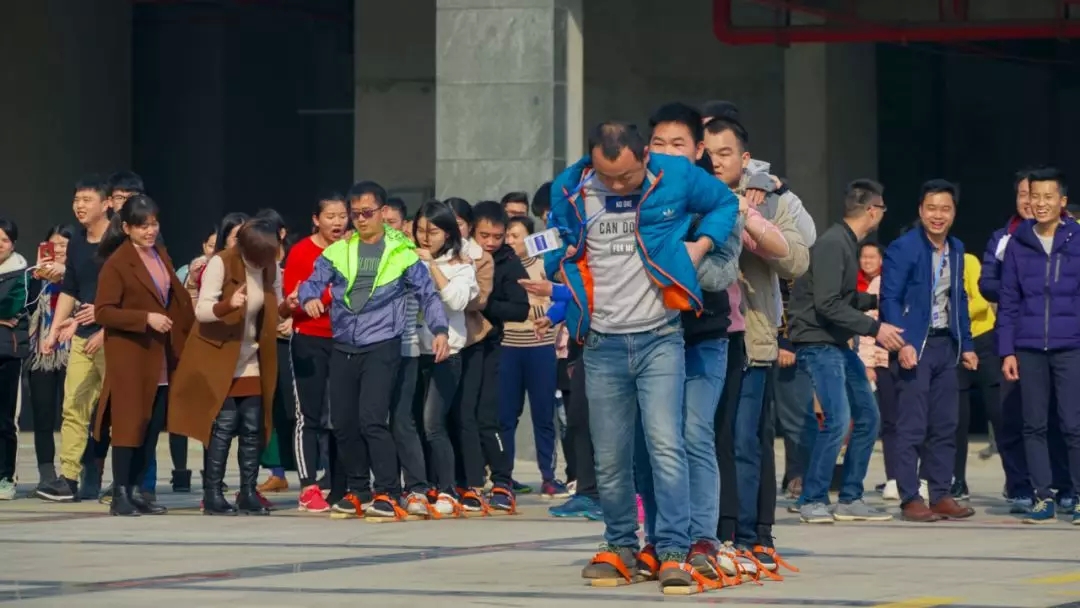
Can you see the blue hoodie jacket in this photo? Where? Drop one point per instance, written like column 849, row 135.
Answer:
column 907, row 280
column 674, row 191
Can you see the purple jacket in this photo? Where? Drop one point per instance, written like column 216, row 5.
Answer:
column 1039, row 300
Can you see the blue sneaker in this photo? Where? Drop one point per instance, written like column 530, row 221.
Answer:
column 1066, row 502
column 577, row 506
column 1041, row 513
column 502, row 499
column 1020, row 505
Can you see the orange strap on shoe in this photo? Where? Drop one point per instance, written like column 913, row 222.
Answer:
column 762, row 570
column 776, row 557
column 484, row 509
column 399, row 513
column 355, row 501
column 513, row 500
column 650, row 560
column 613, row 560
column 703, row 582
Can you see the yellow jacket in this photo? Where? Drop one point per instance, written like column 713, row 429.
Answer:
column 982, row 314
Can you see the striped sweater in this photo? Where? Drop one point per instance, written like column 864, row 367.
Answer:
column 519, row 335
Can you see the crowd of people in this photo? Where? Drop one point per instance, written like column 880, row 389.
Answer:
column 687, row 312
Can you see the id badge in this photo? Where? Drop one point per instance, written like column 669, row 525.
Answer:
column 621, row 204
column 540, row 243
column 935, row 317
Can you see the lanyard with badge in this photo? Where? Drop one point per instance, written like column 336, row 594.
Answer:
column 934, row 314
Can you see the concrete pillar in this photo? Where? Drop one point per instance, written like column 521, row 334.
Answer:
column 508, row 102
column 394, row 119
column 830, row 115
column 65, row 73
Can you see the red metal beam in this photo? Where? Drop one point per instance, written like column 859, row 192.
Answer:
column 854, row 30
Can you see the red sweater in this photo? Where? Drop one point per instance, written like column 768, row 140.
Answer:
column 298, row 267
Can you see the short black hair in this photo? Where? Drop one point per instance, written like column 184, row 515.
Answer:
column 613, row 137
column 720, row 109
column 363, row 187
column 272, row 216
column 525, row 221
column 541, row 202
column 717, row 126
column 95, row 183
column 398, row 204
column 1020, row 177
column 491, row 211
column 939, row 186
column 859, row 194
column 679, row 113
column 128, row 181
column 515, row 197
column 1050, row 174
column 11, row 229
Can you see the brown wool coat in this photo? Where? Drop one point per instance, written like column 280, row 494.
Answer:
column 202, row 380
column 133, row 351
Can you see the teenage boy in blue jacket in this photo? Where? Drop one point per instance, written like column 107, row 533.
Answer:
column 1039, row 333
column 922, row 291
column 624, row 216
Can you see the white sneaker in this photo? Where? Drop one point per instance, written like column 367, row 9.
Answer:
column 732, row 564
column 924, row 491
column 7, row 489
column 891, row 492
column 416, row 504
column 445, row 504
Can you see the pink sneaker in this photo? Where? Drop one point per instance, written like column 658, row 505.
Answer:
column 640, row 510
column 312, row 501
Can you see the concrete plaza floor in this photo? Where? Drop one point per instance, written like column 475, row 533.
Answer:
column 75, row 555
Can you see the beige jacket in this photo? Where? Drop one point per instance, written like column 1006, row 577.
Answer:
column 760, row 288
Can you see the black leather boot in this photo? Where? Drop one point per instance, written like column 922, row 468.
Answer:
column 143, row 504
column 121, row 502
column 181, row 481
column 217, row 455
column 247, row 501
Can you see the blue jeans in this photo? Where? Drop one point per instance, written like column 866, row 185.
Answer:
column 627, row 377
column 706, row 366
column 839, row 380
column 748, row 451
column 149, row 480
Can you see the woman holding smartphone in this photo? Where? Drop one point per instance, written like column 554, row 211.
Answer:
column 46, row 370
column 146, row 315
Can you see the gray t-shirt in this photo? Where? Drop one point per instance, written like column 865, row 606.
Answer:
column 939, row 317
column 1047, row 242
column 625, row 299
column 367, row 267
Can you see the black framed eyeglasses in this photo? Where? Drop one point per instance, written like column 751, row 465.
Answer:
column 367, row 214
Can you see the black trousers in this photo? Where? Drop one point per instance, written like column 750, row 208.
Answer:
column 987, row 380
column 361, row 385
column 436, row 384
column 562, row 384
column 410, row 450
column 468, row 447
column 10, row 378
column 284, row 412
column 129, row 464
column 487, row 416
column 725, row 438
column 577, row 429
column 310, row 357
column 46, row 398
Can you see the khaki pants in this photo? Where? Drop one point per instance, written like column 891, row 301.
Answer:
column 82, row 387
